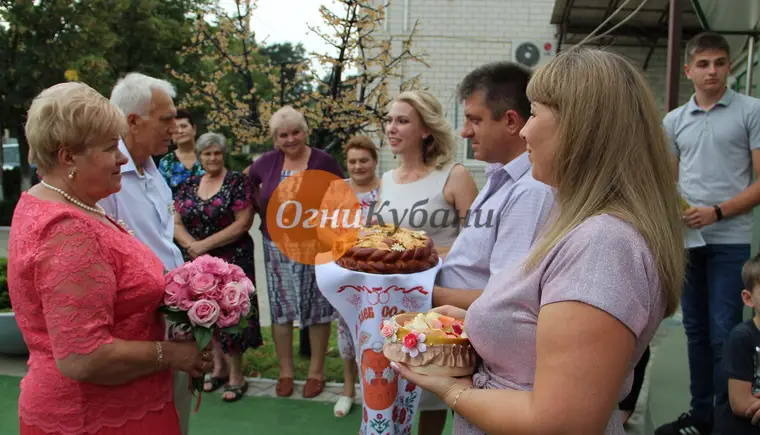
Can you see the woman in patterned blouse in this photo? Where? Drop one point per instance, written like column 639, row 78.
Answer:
column 181, row 164
column 214, row 214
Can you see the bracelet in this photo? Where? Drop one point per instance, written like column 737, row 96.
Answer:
column 454, row 405
column 718, row 212
column 160, row 355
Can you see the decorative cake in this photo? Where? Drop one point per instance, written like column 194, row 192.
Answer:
column 385, row 250
column 429, row 343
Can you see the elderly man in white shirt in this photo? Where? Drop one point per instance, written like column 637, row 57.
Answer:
column 145, row 200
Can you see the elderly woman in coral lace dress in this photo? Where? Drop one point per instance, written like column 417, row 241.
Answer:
column 85, row 291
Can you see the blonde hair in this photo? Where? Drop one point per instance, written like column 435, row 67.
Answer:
column 612, row 157
column 287, row 115
column 69, row 115
column 441, row 149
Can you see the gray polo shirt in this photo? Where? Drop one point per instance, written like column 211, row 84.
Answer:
column 518, row 205
column 715, row 161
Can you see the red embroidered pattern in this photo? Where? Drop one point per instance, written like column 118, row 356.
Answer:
column 76, row 284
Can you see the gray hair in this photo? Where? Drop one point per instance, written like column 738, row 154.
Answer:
column 287, row 116
column 133, row 93
column 207, row 140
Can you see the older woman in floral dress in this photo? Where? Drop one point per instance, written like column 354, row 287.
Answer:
column 214, row 215
column 85, row 291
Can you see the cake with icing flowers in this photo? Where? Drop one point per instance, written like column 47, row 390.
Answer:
column 429, row 343
column 386, row 249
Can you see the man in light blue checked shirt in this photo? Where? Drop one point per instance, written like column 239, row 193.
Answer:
column 507, row 214
column 496, row 109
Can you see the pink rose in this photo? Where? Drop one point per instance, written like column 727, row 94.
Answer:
column 204, row 313
column 236, row 272
column 248, row 286
column 387, row 330
column 232, row 295
column 174, row 294
column 245, row 307
column 228, row 318
column 202, row 283
column 215, row 266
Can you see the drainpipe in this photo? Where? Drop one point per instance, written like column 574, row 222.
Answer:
column 750, row 65
column 675, row 35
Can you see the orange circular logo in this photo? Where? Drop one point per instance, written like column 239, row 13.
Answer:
column 312, row 213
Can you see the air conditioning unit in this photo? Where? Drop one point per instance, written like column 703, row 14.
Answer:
column 533, row 53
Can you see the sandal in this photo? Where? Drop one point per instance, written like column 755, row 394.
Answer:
column 343, row 406
column 238, row 391
column 216, row 382
column 284, row 387
column 313, row 388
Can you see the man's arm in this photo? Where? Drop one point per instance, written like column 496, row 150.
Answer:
column 749, row 198
column 518, row 226
column 460, row 298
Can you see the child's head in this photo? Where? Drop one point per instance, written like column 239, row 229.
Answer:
column 751, row 277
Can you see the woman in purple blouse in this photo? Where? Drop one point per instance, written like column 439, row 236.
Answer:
column 560, row 335
column 292, row 286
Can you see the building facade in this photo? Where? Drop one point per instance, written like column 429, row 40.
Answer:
column 459, row 35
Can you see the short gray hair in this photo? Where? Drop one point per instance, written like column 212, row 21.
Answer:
column 287, row 116
column 208, row 140
column 133, row 93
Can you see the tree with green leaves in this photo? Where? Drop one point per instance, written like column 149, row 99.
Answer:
column 95, row 41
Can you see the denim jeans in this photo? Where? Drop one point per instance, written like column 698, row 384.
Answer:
column 712, row 306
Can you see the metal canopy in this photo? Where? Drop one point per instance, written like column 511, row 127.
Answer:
column 647, row 28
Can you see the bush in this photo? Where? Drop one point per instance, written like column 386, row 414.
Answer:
column 238, row 162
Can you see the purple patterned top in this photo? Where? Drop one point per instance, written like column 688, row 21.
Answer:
column 605, row 263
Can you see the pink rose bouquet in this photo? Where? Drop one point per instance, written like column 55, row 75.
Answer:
column 206, row 296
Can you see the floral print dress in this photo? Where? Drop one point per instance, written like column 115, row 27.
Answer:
column 175, row 173
column 205, row 217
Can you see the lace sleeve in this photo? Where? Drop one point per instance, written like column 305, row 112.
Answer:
column 76, row 286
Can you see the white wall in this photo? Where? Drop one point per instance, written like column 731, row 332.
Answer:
column 458, row 35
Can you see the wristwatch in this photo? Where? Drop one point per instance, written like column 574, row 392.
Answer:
column 718, row 212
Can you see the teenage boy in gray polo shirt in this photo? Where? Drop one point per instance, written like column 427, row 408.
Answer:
column 715, row 140
column 496, row 109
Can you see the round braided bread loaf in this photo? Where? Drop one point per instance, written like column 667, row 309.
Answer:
column 386, row 250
